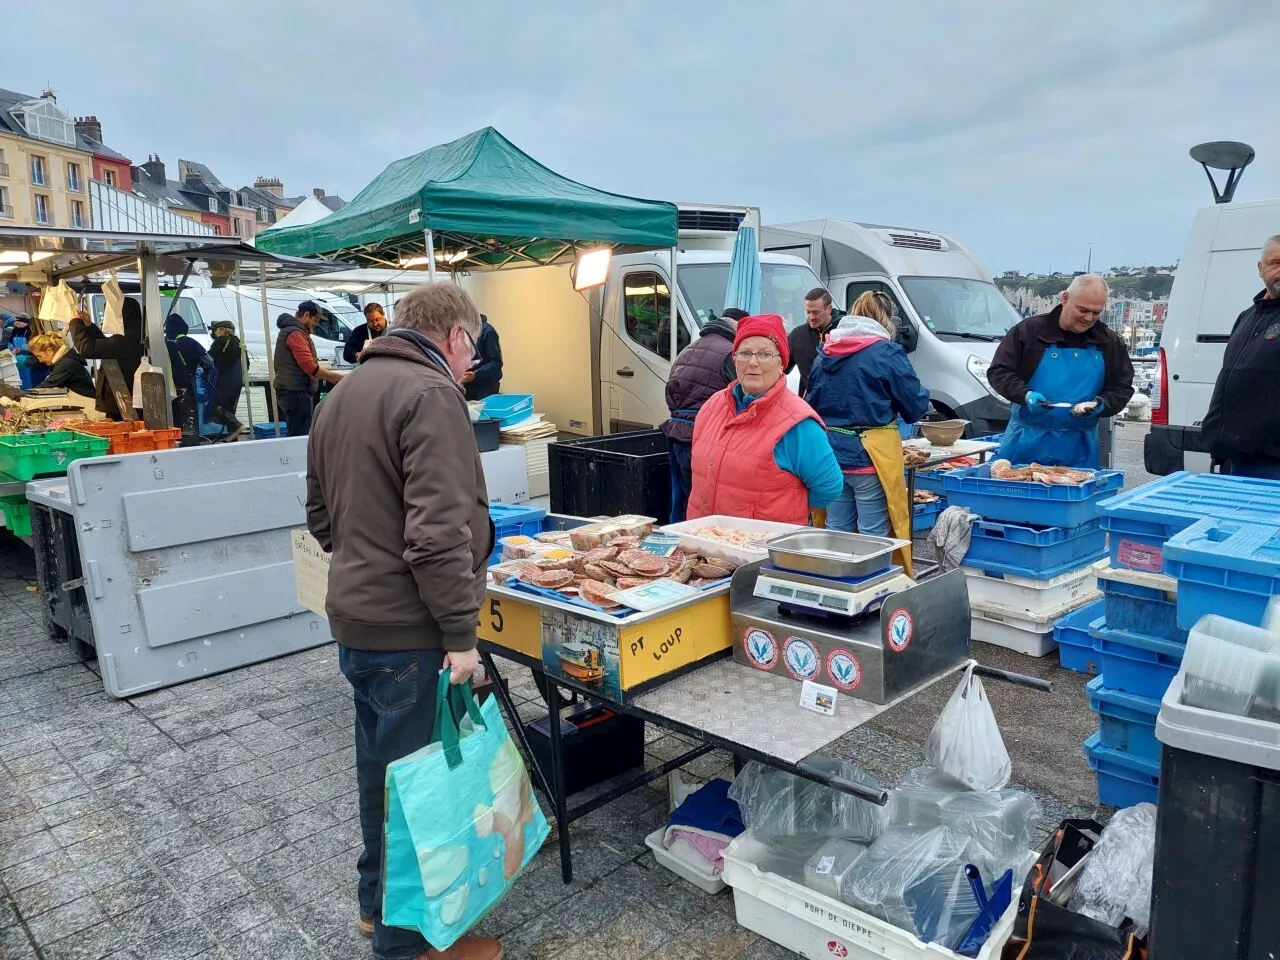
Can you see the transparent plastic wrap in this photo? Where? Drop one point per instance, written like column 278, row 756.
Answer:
column 1116, row 880
column 919, row 799
column 827, row 870
column 915, row 879
column 787, row 856
column 965, row 743
column 777, row 804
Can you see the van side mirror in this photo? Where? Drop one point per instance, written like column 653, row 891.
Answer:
column 907, row 336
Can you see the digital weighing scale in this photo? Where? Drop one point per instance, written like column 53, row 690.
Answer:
column 831, row 607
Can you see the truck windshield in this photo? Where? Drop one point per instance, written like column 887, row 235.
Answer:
column 782, row 291
column 961, row 308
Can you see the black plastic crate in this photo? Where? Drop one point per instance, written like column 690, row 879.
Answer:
column 487, row 433
column 608, row 476
column 598, row 744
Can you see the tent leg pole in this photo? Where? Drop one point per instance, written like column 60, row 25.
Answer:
column 244, row 353
column 157, row 350
column 675, row 308
column 431, row 254
column 271, row 363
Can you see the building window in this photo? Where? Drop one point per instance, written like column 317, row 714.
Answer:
column 6, row 211
column 40, row 205
column 235, row 226
column 213, row 204
column 74, row 183
column 77, row 214
column 39, row 171
column 4, row 167
column 109, row 177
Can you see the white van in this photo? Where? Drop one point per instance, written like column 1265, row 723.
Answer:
column 1217, row 279
column 951, row 315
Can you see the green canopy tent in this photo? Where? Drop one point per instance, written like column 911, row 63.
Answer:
column 477, row 203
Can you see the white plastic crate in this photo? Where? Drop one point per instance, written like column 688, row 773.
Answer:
column 725, row 551
column 818, row 927
column 702, row 879
column 1033, row 598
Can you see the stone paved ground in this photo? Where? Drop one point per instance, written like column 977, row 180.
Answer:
column 218, row 819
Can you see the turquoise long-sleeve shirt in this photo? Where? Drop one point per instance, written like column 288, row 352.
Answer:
column 805, row 453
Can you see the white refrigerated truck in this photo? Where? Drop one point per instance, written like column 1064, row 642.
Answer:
column 950, row 314
column 597, row 361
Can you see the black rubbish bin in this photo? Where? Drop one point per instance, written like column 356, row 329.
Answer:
column 1217, row 860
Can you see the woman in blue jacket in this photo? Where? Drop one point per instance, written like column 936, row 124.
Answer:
column 860, row 384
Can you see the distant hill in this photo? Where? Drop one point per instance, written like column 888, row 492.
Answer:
column 1137, row 286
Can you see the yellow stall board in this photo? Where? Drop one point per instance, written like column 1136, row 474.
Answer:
column 667, row 643
column 511, row 624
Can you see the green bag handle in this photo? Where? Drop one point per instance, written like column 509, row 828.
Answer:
column 452, row 700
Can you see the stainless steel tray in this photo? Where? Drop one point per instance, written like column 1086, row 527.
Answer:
column 831, row 553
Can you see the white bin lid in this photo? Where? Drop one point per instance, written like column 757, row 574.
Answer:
column 1240, row 739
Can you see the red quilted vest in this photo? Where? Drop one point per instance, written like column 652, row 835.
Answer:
column 734, row 473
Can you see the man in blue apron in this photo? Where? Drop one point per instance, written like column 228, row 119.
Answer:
column 1062, row 371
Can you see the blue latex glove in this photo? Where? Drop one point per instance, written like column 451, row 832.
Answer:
column 1036, row 400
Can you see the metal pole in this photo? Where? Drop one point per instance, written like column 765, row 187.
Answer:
column 431, row 254
column 675, row 310
column 157, row 352
column 244, row 353
column 271, row 363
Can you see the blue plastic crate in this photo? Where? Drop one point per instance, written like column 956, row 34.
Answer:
column 1143, row 610
column 989, row 438
column 1123, row 779
column 1075, row 642
column 267, row 431
column 508, row 408
column 1035, row 549
column 925, row 515
column 1141, row 520
column 1126, row 722
column 1132, row 663
column 1017, row 570
column 930, row 480
column 512, row 521
column 1230, row 568
column 1020, row 501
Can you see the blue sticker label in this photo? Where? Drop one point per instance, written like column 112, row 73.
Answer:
column 901, row 628
column 1273, row 331
column 843, row 669
column 760, row 648
column 801, row 658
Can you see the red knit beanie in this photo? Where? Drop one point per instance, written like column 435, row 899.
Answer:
column 764, row 325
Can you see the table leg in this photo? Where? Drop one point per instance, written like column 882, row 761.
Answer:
column 558, row 797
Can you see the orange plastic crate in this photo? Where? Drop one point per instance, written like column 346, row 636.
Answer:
column 132, row 436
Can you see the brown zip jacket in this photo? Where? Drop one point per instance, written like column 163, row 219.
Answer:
column 395, row 490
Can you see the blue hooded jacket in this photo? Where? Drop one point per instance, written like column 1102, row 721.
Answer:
column 185, row 355
column 860, row 378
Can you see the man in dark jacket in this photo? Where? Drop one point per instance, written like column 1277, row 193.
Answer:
column 1062, row 371
column 703, row 368
column 227, row 354
column 396, row 492
column 193, row 376
column 485, row 376
column 297, row 370
column 820, row 316
column 1242, row 427
column 375, row 324
column 126, row 350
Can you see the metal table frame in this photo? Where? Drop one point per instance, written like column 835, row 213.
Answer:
column 553, row 784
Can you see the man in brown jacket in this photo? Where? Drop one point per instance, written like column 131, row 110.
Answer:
column 396, row 492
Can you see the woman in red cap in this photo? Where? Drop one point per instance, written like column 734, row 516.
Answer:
column 759, row 451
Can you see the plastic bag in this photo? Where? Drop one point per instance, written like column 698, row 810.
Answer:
column 461, row 824
column 1116, row 882
column 915, row 879
column 113, row 314
column 1002, row 822
column 828, row 868
column 965, row 743
column 778, row 804
column 144, row 366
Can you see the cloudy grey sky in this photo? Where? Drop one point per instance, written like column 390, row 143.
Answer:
column 1026, row 128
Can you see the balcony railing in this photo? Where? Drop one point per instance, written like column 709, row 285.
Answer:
column 75, row 185
column 6, row 212
column 4, row 170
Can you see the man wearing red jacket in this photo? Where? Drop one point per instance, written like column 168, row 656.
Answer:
column 298, row 371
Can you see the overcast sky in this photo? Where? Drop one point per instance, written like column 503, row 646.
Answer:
column 1028, row 129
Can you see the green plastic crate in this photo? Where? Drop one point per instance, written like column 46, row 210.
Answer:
column 17, row 514
column 26, row 456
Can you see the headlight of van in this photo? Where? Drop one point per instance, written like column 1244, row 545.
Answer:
column 978, row 369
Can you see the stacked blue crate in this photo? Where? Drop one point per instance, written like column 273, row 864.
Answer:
column 1167, row 567
column 1038, row 539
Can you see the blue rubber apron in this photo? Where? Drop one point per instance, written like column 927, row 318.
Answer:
column 1054, row 437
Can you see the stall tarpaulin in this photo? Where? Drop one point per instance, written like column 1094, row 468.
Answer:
column 484, row 191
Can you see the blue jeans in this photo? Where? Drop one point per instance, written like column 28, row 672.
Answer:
column 861, row 506
column 680, row 458
column 395, row 698
column 1258, row 471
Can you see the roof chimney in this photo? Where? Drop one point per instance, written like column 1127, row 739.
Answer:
column 271, row 185
column 154, row 169
column 319, row 194
column 89, row 127
column 48, row 95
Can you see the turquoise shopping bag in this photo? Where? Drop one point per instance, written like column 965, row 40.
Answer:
column 462, row 822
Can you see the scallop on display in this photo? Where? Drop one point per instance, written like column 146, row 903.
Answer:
column 554, row 579
column 601, row 594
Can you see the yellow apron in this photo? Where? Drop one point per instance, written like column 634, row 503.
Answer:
column 884, row 447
